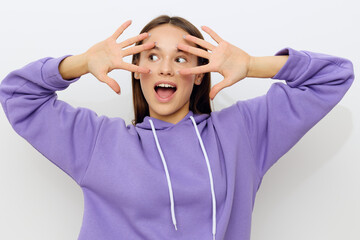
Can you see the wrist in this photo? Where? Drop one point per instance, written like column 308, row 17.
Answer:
column 266, row 67
column 73, row 66
column 250, row 72
column 84, row 63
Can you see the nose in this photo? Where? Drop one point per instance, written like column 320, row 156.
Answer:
column 166, row 68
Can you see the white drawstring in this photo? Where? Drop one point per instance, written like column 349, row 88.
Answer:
column 169, row 182
column 210, row 176
column 167, row 174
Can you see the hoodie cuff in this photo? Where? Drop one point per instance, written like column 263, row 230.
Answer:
column 294, row 67
column 52, row 76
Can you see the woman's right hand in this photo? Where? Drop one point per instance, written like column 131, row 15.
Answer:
column 104, row 57
column 107, row 55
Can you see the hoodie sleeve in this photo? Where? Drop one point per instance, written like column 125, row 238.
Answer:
column 63, row 134
column 276, row 121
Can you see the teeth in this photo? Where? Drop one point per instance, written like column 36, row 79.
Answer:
column 165, row 85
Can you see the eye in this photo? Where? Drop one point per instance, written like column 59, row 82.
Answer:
column 182, row 58
column 151, row 55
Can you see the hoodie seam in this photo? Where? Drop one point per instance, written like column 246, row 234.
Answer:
column 337, row 63
column 12, row 94
column 51, row 76
column 92, row 153
column 250, row 145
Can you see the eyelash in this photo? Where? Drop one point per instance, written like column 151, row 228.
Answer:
column 177, row 57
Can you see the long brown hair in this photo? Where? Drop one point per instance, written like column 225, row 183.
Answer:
column 199, row 99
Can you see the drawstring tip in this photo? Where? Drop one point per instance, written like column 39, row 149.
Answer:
column 213, row 236
column 175, row 226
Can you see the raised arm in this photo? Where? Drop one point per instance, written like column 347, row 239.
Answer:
column 63, row 134
column 274, row 122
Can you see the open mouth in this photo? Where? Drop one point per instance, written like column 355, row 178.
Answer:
column 165, row 91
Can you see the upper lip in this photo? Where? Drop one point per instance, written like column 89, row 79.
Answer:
column 167, row 82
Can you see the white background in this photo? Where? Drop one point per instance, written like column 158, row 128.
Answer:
column 312, row 192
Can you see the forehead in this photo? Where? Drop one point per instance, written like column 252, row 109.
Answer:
column 167, row 35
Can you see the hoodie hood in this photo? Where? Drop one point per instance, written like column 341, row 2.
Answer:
column 160, row 124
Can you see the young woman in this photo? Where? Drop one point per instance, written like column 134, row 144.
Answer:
column 180, row 171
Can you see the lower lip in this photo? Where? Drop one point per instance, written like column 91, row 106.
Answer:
column 164, row 100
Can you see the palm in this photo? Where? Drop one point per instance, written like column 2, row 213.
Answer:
column 107, row 55
column 224, row 59
column 228, row 60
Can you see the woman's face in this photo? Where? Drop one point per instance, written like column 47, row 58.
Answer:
column 164, row 60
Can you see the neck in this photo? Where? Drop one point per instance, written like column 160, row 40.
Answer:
column 173, row 117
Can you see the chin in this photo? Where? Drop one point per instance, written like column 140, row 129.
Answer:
column 165, row 110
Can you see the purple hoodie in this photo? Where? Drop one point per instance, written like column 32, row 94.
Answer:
column 159, row 180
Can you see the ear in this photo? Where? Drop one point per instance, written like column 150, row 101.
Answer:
column 198, row 78
column 137, row 75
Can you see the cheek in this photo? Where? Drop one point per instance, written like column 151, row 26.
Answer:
column 188, row 81
column 145, row 82
column 145, row 76
column 188, row 78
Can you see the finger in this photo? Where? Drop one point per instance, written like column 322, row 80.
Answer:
column 200, row 42
column 212, row 33
column 121, row 29
column 134, row 68
column 110, row 82
column 138, row 48
column 194, row 50
column 133, row 40
column 195, row 70
column 217, row 87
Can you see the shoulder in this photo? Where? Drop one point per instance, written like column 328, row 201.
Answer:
column 117, row 127
column 227, row 116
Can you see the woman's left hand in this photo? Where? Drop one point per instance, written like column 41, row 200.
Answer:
column 226, row 59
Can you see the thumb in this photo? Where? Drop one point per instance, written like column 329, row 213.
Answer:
column 217, row 87
column 110, row 82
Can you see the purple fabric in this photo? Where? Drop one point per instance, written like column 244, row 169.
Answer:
column 119, row 168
